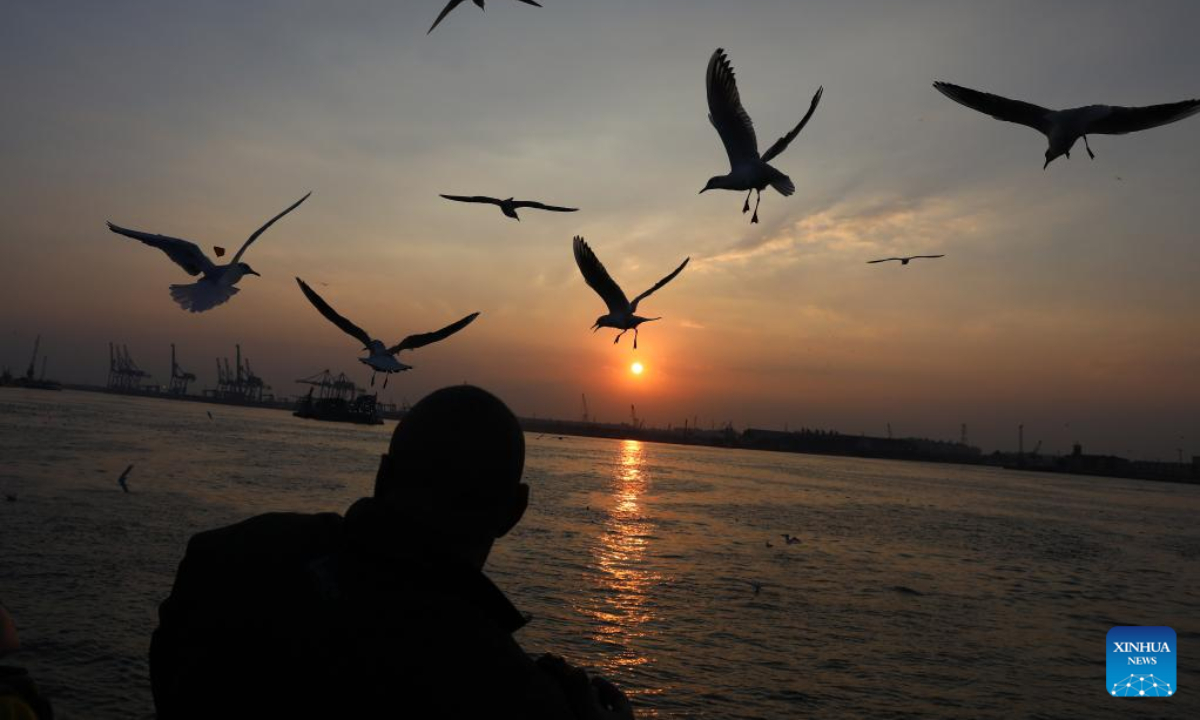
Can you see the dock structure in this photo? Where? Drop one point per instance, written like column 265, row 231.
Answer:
column 336, row 398
column 179, row 379
column 239, row 383
column 328, row 386
column 123, row 373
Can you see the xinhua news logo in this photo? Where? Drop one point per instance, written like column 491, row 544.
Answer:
column 1141, row 661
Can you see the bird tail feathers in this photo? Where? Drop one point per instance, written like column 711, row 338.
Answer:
column 783, row 185
column 200, row 296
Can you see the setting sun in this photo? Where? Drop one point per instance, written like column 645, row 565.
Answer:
column 636, row 368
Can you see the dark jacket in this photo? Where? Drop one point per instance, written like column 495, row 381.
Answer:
column 288, row 615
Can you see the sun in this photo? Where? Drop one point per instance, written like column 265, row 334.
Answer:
column 636, row 368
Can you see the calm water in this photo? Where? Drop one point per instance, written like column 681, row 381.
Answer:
column 917, row 590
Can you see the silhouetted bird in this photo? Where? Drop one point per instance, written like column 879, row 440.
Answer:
column 621, row 313
column 217, row 285
column 790, row 540
column 10, row 498
column 509, row 207
column 210, row 417
column 455, row 3
column 381, row 359
column 756, row 585
column 1063, row 127
column 769, row 544
column 747, row 169
column 904, row 260
column 124, row 476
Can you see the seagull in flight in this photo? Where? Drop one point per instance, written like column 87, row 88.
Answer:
column 748, row 170
column 121, row 480
column 509, row 207
column 1063, row 127
column 381, row 359
column 217, row 285
column 756, row 585
column 621, row 313
column 790, row 539
column 904, row 260
column 455, row 3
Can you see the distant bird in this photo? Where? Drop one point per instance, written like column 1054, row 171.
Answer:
column 210, row 417
column 509, row 207
column 904, row 260
column 217, row 285
column 455, row 3
column 747, row 169
column 381, row 359
column 10, row 498
column 790, row 540
column 756, row 585
column 621, row 313
column 769, row 544
column 121, row 480
column 1063, row 127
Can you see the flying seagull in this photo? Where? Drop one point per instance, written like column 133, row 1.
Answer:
column 455, row 3
column 756, row 585
column 790, row 539
column 904, row 260
column 381, row 359
column 217, row 285
column 1063, row 127
column 748, row 170
column 124, row 476
column 621, row 312
column 509, row 207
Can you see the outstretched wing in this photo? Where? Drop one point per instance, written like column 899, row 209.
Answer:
column 332, row 316
column 415, row 341
column 263, row 229
column 530, row 2
column 782, row 143
column 473, row 199
column 541, row 206
column 1121, row 120
column 598, row 278
column 185, row 254
column 726, row 113
column 445, row 11
column 657, row 285
column 1001, row 108
column 872, row 262
column 928, row 257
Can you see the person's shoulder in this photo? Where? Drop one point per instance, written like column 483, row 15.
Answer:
column 277, row 535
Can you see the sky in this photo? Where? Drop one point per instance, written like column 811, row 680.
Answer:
column 1067, row 300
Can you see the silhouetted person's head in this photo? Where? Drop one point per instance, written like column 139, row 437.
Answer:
column 453, row 469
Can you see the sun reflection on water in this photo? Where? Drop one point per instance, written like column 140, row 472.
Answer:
column 622, row 607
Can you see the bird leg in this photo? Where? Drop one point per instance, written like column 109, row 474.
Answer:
column 746, row 207
column 385, row 379
column 635, row 338
column 618, row 337
column 1091, row 154
column 372, row 379
column 757, row 200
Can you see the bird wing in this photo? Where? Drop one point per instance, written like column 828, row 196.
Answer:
column 445, row 11
column 872, row 262
column 918, row 257
column 726, row 113
column 184, row 253
column 782, row 143
column 1001, row 108
column 1121, row 120
column 530, row 2
column 242, row 251
column 413, row 342
column 473, row 199
column 332, row 316
column 125, row 474
column 657, row 285
column 598, row 278
column 541, row 206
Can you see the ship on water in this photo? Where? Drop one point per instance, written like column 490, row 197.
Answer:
column 337, row 399
column 31, row 379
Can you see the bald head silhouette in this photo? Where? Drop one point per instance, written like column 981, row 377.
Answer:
column 454, row 465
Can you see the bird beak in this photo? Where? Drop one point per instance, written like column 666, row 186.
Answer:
column 251, row 272
column 595, row 327
column 702, row 191
column 1046, row 165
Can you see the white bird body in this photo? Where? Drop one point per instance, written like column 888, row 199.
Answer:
column 622, row 314
column 380, row 357
column 1063, row 128
column 218, row 282
column 749, row 170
